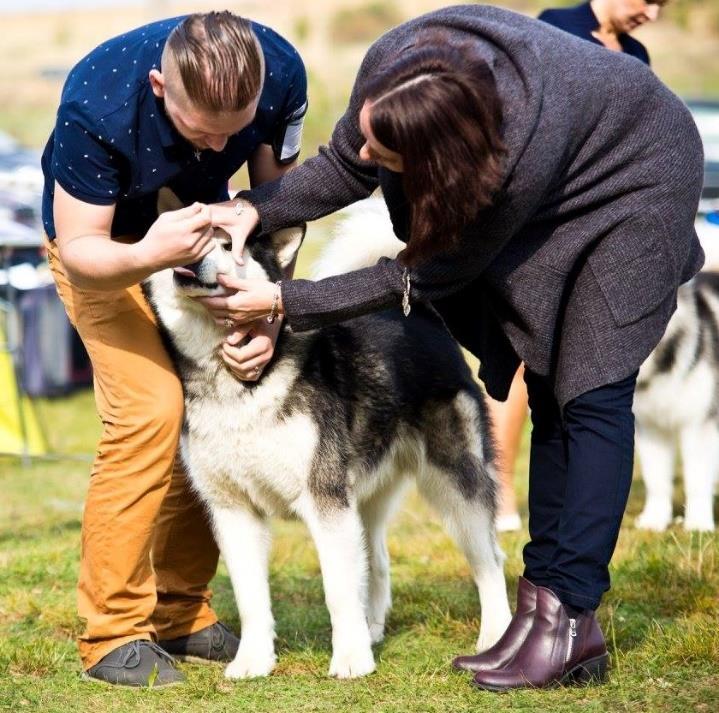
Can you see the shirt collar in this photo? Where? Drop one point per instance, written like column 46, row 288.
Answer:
column 169, row 136
column 586, row 15
column 174, row 145
column 591, row 23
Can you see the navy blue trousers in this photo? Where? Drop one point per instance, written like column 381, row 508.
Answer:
column 580, row 471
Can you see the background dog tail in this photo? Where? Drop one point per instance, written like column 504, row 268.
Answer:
column 363, row 235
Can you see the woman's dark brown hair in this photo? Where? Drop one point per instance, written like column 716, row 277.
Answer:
column 218, row 59
column 438, row 107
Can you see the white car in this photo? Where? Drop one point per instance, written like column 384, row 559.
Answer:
column 706, row 116
column 707, row 227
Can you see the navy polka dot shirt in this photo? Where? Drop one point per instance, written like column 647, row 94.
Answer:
column 113, row 143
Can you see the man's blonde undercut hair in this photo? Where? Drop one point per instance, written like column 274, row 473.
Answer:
column 218, row 60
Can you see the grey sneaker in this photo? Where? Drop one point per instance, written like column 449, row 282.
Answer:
column 136, row 663
column 212, row 644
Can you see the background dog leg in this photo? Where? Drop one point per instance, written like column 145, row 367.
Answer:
column 339, row 537
column 244, row 539
column 376, row 514
column 656, row 455
column 700, row 460
column 471, row 524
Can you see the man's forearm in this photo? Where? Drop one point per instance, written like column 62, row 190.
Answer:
column 95, row 262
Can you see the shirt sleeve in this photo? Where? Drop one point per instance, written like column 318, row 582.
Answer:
column 329, row 181
column 287, row 136
column 81, row 163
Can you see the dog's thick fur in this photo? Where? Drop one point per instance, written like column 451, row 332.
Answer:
column 677, row 403
column 341, row 419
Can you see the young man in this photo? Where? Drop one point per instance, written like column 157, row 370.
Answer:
column 181, row 103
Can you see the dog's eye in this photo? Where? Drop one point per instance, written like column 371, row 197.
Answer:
column 226, row 246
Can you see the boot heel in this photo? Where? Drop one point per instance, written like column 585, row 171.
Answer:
column 594, row 670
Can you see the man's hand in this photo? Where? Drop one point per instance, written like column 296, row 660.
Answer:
column 238, row 220
column 251, row 300
column 246, row 359
column 177, row 237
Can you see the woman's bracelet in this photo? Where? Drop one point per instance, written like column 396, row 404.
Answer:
column 274, row 310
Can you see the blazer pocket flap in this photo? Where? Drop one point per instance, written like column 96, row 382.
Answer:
column 634, row 268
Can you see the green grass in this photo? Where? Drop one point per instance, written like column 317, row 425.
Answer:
column 660, row 617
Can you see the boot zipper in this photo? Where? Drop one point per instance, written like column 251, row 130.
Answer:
column 572, row 636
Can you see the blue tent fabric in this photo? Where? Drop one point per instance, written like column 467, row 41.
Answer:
column 54, row 361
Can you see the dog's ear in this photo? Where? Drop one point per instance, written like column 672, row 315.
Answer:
column 167, row 200
column 286, row 243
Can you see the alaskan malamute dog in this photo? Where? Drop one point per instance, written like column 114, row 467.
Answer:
column 340, row 420
column 677, row 403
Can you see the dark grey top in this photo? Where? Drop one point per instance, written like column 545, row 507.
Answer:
column 575, row 268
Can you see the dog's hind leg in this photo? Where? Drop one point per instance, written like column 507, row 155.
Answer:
column 656, row 451
column 700, row 460
column 458, row 481
column 339, row 537
column 470, row 522
column 244, row 539
column 376, row 514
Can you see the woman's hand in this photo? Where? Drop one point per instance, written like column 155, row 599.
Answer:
column 238, row 219
column 247, row 360
column 253, row 299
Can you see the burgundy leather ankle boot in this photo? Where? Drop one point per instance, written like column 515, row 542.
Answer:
column 558, row 649
column 508, row 645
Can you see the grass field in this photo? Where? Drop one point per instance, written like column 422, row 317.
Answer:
column 660, row 616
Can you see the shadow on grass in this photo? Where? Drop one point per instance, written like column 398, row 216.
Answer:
column 652, row 587
column 449, row 607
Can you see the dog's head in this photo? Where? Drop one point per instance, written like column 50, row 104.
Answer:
column 264, row 257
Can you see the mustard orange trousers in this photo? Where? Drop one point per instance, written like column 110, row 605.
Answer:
column 148, row 553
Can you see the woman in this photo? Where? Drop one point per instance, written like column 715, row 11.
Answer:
column 546, row 190
column 608, row 23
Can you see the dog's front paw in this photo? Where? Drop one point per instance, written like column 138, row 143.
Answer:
column 251, row 662
column 351, row 663
column 694, row 523
column 656, row 519
column 699, row 513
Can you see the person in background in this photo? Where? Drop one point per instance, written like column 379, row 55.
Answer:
column 507, row 419
column 181, row 103
column 608, row 23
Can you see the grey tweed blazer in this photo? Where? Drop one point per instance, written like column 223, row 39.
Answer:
column 575, row 268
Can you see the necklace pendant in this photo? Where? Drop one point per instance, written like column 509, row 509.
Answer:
column 406, row 306
column 197, row 153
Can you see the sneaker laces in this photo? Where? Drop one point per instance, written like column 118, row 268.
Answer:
column 133, row 655
column 218, row 635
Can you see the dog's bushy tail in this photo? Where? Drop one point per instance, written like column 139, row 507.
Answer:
column 363, row 235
